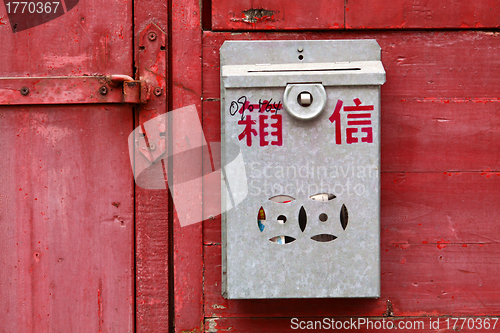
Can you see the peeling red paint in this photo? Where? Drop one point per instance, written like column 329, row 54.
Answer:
column 404, row 245
column 488, row 173
column 441, row 244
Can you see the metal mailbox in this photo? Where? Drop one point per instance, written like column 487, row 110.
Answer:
column 306, row 118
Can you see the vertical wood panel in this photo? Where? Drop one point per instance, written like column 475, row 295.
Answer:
column 153, row 229
column 66, row 220
column 187, row 239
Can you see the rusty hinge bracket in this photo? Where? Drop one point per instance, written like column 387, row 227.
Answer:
column 151, row 62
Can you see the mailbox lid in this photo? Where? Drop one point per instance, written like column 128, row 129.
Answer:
column 277, row 63
column 237, row 52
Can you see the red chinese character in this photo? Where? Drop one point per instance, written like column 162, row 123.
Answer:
column 335, row 118
column 248, row 131
column 278, row 125
column 356, row 117
column 262, row 130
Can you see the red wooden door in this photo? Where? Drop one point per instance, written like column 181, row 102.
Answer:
column 83, row 248
column 67, row 199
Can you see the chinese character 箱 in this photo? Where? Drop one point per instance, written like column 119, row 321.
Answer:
column 358, row 122
column 269, row 125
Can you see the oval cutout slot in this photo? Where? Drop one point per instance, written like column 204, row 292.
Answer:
column 282, row 198
column 302, row 219
column 282, row 239
column 323, row 238
column 344, row 217
column 323, row 197
column 261, row 219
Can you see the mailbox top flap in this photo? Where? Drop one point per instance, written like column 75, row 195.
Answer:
column 278, row 63
column 288, row 51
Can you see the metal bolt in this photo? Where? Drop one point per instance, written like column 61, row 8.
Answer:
column 152, row 146
column 158, row 91
column 103, row 90
column 305, row 99
column 25, row 91
column 300, row 49
column 152, row 36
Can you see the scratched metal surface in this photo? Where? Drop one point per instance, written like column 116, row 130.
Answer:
column 308, row 157
column 66, row 202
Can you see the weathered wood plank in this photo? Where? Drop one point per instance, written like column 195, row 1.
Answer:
column 403, row 14
column 93, row 37
column 66, row 219
column 152, row 209
column 354, row 14
column 186, row 86
column 277, row 14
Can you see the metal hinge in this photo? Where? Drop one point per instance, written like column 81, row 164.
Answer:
column 151, row 60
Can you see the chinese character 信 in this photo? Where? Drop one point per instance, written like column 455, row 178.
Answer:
column 358, row 121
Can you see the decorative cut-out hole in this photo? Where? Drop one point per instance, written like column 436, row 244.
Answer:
column 323, row 238
column 323, row 217
column 323, row 197
column 282, row 198
column 261, row 219
column 344, row 217
column 282, row 239
column 282, row 219
column 302, row 219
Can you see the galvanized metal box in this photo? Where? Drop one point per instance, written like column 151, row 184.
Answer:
column 301, row 214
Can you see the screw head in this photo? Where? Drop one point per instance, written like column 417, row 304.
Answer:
column 152, row 36
column 158, row 91
column 103, row 90
column 152, row 146
column 25, row 91
column 300, row 49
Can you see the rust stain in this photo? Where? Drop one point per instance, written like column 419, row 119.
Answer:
column 99, row 306
column 255, row 15
column 390, row 309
